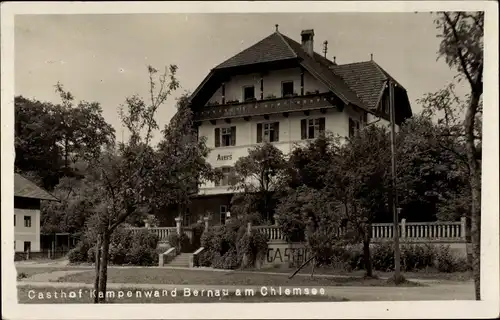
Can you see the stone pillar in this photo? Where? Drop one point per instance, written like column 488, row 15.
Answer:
column 178, row 225
column 275, row 216
column 206, row 222
column 146, row 224
column 463, row 228
column 403, row 228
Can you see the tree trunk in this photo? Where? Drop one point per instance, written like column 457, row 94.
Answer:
column 366, row 255
column 475, row 185
column 103, row 272
column 97, row 267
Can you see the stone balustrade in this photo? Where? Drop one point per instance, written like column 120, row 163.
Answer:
column 410, row 231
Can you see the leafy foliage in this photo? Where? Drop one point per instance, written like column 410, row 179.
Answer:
column 258, row 175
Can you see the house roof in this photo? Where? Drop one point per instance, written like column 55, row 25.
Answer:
column 360, row 84
column 24, row 188
column 365, row 78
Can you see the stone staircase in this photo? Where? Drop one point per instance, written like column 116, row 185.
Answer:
column 181, row 260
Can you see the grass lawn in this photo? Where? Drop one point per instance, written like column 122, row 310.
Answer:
column 32, row 295
column 177, row 276
column 26, row 272
column 424, row 274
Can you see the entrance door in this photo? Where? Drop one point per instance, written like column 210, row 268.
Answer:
column 27, row 246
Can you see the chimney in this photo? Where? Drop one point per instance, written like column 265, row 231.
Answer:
column 308, row 41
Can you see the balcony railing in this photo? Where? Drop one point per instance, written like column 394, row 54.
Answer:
column 264, row 107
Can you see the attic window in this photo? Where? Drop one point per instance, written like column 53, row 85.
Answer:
column 248, row 93
column 287, row 88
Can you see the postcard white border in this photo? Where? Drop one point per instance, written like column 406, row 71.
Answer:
column 488, row 307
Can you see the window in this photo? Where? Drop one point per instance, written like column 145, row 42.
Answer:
column 27, row 221
column 386, row 104
column 27, row 246
column 287, row 88
column 225, row 137
column 312, row 128
column 268, row 132
column 226, row 177
column 353, row 127
column 248, row 93
column 223, row 212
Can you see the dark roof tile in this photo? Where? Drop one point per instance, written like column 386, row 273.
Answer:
column 272, row 48
column 27, row 189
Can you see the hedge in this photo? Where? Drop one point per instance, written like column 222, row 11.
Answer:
column 413, row 258
column 126, row 247
column 230, row 247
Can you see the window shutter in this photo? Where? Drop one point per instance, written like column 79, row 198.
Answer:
column 233, row 136
column 217, row 137
column 259, row 132
column 322, row 125
column 276, row 131
column 303, row 129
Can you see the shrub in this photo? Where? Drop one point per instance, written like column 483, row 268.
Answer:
column 126, row 247
column 383, row 257
column 21, row 275
column 79, row 253
column 182, row 242
column 253, row 247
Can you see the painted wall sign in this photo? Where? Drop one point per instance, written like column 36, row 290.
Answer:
column 296, row 256
column 224, row 157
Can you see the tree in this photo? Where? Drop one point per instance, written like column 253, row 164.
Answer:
column 462, row 47
column 432, row 171
column 360, row 182
column 51, row 139
column 258, row 176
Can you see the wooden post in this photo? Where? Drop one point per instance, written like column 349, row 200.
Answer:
column 395, row 234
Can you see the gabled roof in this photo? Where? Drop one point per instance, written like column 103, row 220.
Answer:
column 360, row 84
column 365, row 78
column 26, row 189
column 271, row 48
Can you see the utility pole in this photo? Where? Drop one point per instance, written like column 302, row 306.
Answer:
column 397, row 254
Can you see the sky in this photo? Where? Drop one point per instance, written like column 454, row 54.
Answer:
column 103, row 57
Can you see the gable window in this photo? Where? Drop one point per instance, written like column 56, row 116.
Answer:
column 27, row 221
column 287, row 88
column 226, row 177
column 223, row 212
column 268, row 132
column 225, row 137
column 353, row 127
column 386, row 105
column 312, row 128
column 248, row 93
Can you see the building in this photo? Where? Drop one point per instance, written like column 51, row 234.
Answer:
column 281, row 91
column 27, row 198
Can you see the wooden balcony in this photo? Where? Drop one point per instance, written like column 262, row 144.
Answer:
column 267, row 106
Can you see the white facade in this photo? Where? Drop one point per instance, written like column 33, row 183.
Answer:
column 26, row 230
column 335, row 121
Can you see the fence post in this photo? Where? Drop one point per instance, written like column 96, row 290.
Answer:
column 403, row 228
column 178, row 225
column 206, row 223
column 463, row 228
